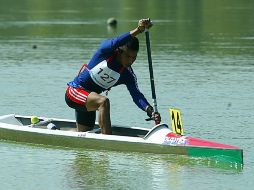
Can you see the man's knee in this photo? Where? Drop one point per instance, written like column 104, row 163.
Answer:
column 104, row 102
column 96, row 101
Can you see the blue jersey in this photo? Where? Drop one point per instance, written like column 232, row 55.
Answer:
column 104, row 71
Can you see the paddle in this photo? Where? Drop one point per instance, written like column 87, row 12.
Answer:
column 151, row 72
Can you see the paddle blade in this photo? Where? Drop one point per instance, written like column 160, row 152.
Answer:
column 176, row 121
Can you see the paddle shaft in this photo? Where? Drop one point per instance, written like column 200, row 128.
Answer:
column 151, row 69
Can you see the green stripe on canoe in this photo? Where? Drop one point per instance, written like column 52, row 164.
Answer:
column 226, row 155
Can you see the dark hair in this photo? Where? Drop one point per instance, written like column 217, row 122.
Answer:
column 132, row 44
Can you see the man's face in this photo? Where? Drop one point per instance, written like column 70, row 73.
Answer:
column 128, row 57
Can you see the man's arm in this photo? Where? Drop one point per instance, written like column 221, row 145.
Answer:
column 132, row 86
column 140, row 99
column 111, row 45
column 114, row 43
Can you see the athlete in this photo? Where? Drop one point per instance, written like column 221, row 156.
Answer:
column 110, row 66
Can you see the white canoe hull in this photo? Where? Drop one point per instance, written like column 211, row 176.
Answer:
column 160, row 139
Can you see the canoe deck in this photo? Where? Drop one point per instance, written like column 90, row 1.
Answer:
column 70, row 125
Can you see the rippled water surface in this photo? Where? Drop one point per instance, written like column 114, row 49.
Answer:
column 203, row 56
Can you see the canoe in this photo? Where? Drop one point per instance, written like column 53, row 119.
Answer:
column 159, row 139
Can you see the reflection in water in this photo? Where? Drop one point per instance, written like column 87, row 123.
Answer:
column 60, row 168
column 181, row 160
column 103, row 169
column 90, row 170
column 111, row 169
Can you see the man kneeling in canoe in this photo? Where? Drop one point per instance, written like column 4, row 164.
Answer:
column 110, row 66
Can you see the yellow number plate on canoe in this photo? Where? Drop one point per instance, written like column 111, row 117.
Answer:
column 176, row 121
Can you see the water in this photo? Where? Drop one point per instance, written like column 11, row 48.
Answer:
column 203, row 64
column 90, row 169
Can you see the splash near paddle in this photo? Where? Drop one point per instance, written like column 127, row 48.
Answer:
column 176, row 121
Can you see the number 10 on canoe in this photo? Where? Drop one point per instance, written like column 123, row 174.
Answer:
column 176, row 121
